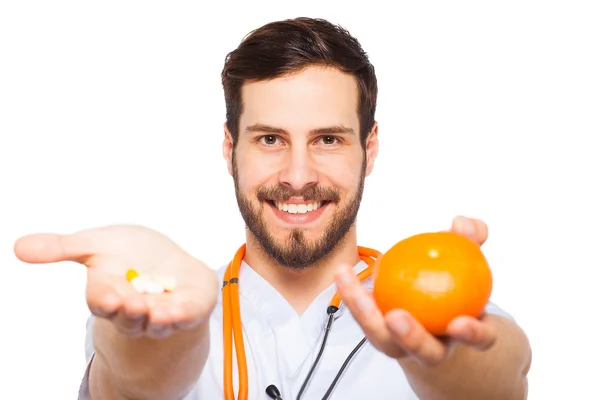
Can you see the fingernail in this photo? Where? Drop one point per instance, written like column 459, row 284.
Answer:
column 399, row 324
column 466, row 226
column 134, row 316
column 158, row 331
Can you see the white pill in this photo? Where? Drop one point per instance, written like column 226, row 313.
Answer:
column 153, row 283
column 144, row 284
column 153, row 287
column 139, row 283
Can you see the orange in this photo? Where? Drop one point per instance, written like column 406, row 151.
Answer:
column 436, row 277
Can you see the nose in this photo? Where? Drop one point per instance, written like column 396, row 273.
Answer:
column 299, row 170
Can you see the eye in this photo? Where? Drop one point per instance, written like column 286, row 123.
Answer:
column 329, row 140
column 269, row 140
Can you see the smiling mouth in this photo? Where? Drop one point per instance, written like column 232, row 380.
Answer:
column 298, row 208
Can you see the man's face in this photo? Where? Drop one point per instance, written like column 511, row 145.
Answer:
column 299, row 166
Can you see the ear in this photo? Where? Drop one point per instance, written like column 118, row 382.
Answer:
column 228, row 148
column 372, row 148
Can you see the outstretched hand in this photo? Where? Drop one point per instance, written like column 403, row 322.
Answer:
column 108, row 253
column 398, row 334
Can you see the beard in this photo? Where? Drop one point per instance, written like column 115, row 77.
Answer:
column 294, row 250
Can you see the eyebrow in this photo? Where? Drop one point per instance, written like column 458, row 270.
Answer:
column 329, row 130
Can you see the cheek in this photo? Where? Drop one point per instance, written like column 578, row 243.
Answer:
column 253, row 172
column 349, row 185
column 344, row 175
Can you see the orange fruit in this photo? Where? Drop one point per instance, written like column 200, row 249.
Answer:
column 436, row 277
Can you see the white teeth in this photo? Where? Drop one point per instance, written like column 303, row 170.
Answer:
column 298, row 208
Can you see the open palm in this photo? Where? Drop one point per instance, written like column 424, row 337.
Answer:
column 109, row 252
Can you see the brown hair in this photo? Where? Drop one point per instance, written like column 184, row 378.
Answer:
column 284, row 47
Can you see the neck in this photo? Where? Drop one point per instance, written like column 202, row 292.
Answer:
column 301, row 287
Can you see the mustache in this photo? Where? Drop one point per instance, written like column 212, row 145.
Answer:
column 310, row 193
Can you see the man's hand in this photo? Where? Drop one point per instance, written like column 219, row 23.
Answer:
column 108, row 253
column 398, row 334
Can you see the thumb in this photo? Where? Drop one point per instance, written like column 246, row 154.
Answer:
column 49, row 247
column 472, row 228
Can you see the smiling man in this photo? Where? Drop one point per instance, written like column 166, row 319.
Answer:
column 300, row 139
column 298, row 160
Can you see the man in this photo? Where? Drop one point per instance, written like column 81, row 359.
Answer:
column 300, row 138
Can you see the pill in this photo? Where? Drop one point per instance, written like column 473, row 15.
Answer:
column 132, row 273
column 153, row 284
column 139, row 283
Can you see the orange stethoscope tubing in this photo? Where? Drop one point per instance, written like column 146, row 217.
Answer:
column 232, row 320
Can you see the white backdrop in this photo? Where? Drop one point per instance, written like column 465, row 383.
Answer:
column 112, row 112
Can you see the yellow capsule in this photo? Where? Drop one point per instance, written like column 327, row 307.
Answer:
column 132, row 273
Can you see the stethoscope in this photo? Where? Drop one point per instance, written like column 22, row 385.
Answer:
column 232, row 322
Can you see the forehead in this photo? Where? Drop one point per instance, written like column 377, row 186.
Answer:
column 311, row 98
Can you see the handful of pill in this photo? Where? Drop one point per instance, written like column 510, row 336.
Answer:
column 146, row 283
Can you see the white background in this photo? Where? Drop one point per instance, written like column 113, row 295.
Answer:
column 112, row 112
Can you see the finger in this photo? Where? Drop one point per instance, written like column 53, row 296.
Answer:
column 160, row 319
column 129, row 315
column 365, row 311
column 413, row 337
column 132, row 318
column 102, row 298
column 472, row 228
column 479, row 334
column 170, row 312
column 160, row 323
column 186, row 312
column 48, row 248
column 179, row 309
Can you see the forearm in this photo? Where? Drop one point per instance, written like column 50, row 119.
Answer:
column 497, row 373
column 144, row 368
